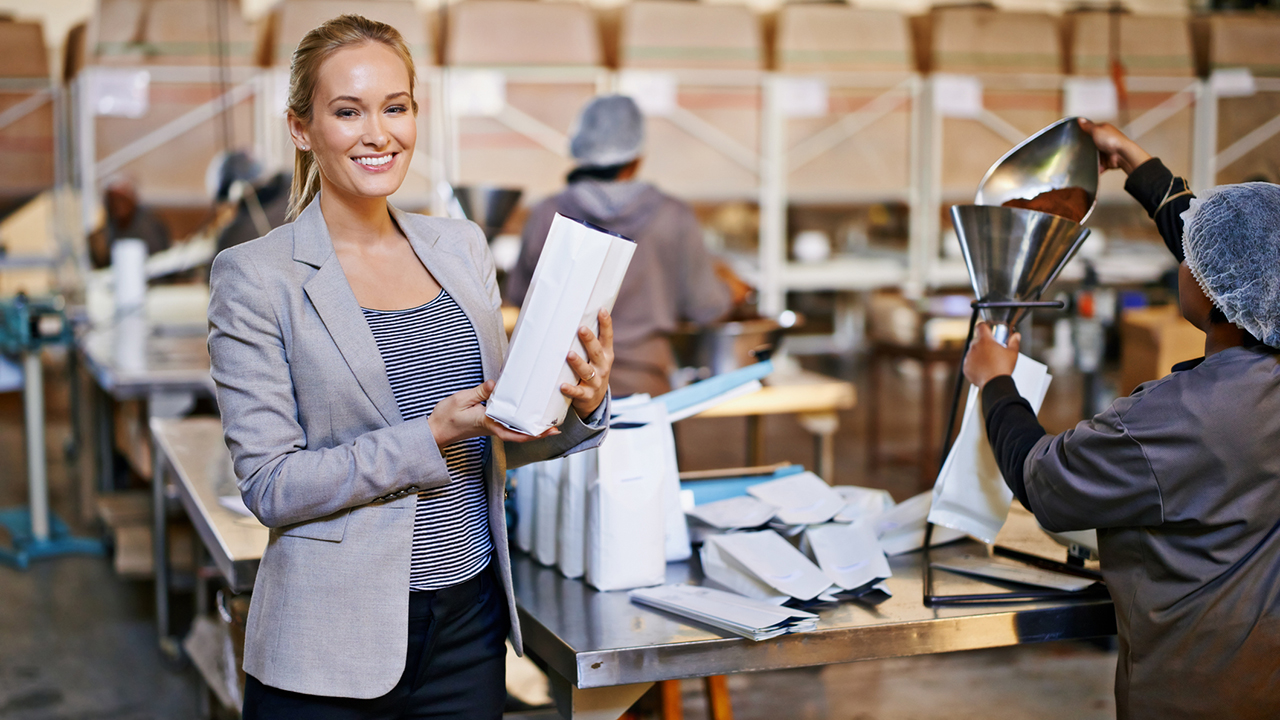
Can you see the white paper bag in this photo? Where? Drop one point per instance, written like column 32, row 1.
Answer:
column 525, row 480
column 862, row 502
column 571, row 549
column 970, row 494
column 849, row 554
column 901, row 527
column 802, row 499
column 775, row 562
column 625, row 533
column 721, row 571
column 656, row 435
column 578, row 273
column 546, row 510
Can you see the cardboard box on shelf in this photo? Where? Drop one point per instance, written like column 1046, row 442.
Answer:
column 169, row 33
column 969, row 147
column 683, row 35
column 1245, row 39
column 500, row 33
column 1148, row 46
column 813, row 39
column 1152, row 341
column 982, row 40
column 839, row 38
column 26, row 145
column 1248, row 40
column 292, row 19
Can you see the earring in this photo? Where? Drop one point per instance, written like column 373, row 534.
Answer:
column 306, row 148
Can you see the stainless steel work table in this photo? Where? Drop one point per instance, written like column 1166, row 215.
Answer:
column 133, row 360
column 603, row 652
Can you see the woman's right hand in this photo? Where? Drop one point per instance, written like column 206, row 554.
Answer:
column 1115, row 149
column 461, row 416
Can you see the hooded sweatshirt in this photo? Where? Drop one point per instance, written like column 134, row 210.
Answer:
column 671, row 276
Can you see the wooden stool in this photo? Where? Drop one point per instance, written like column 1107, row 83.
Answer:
column 672, row 707
column 927, row 458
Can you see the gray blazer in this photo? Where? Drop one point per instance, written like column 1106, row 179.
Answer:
column 323, row 458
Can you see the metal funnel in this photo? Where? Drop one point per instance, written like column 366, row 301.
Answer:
column 1060, row 156
column 1012, row 255
column 487, row 206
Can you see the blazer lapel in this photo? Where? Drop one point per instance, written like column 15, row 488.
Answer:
column 452, row 267
column 331, row 295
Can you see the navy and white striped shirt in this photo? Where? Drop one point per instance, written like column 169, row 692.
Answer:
column 431, row 352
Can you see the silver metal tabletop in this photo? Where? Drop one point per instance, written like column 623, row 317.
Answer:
column 594, row 639
column 193, row 450
column 132, row 361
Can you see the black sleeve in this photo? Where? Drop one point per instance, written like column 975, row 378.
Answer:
column 1012, row 429
column 1164, row 197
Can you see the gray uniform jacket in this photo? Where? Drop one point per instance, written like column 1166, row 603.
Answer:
column 323, row 458
column 1182, row 480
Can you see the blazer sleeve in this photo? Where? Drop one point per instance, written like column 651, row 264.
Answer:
column 576, row 434
column 283, row 482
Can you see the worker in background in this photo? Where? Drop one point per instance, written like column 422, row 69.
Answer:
column 672, row 276
column 260, row 205
column 126, row 218
column 1181, row 478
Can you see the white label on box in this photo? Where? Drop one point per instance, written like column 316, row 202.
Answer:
column 802, row 97
column 958, row 96
column 1093, row 98
column 655, row 92
column 1233, row 82
column 120, row 92
column 477, row 92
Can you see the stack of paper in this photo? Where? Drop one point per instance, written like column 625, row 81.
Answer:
column 763, row 563
column 750, row 619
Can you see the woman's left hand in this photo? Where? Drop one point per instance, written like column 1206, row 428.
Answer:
column 593, row 373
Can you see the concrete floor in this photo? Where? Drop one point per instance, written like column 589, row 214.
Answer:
column 77, row 642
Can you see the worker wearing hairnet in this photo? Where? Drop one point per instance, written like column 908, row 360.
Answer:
column 671, row 278
column 1181, row 478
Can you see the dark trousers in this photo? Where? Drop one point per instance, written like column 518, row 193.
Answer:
column 455, row 668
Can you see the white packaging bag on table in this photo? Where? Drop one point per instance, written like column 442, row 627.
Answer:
column 971, row 495
column 578, row 273
column 526, row 486
column 773, row 561
column 803, row 499
column 571, row 550
column 625, row 528
column 546, row 510
column 655, row 433
column 849, row 554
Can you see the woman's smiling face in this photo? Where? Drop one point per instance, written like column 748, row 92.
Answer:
column 362, row 127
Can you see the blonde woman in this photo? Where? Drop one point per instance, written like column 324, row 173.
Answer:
column 353, row 350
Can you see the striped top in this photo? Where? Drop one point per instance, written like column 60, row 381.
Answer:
column 431, row 352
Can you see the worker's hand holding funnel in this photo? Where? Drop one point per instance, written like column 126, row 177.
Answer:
column 988, row 358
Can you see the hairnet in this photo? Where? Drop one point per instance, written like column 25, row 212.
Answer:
column 1231, row 239
column 610, row 131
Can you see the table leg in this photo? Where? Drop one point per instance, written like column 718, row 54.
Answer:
column 717, row 687
column 928, row 421
column 873, row 412
column 755, row 440
column 672, row 702
column 160, row 550
column 103, row 439
column 606, row 703
column 823, row 427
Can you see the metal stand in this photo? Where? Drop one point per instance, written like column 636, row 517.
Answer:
column 932, row 600
column 35, row 532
